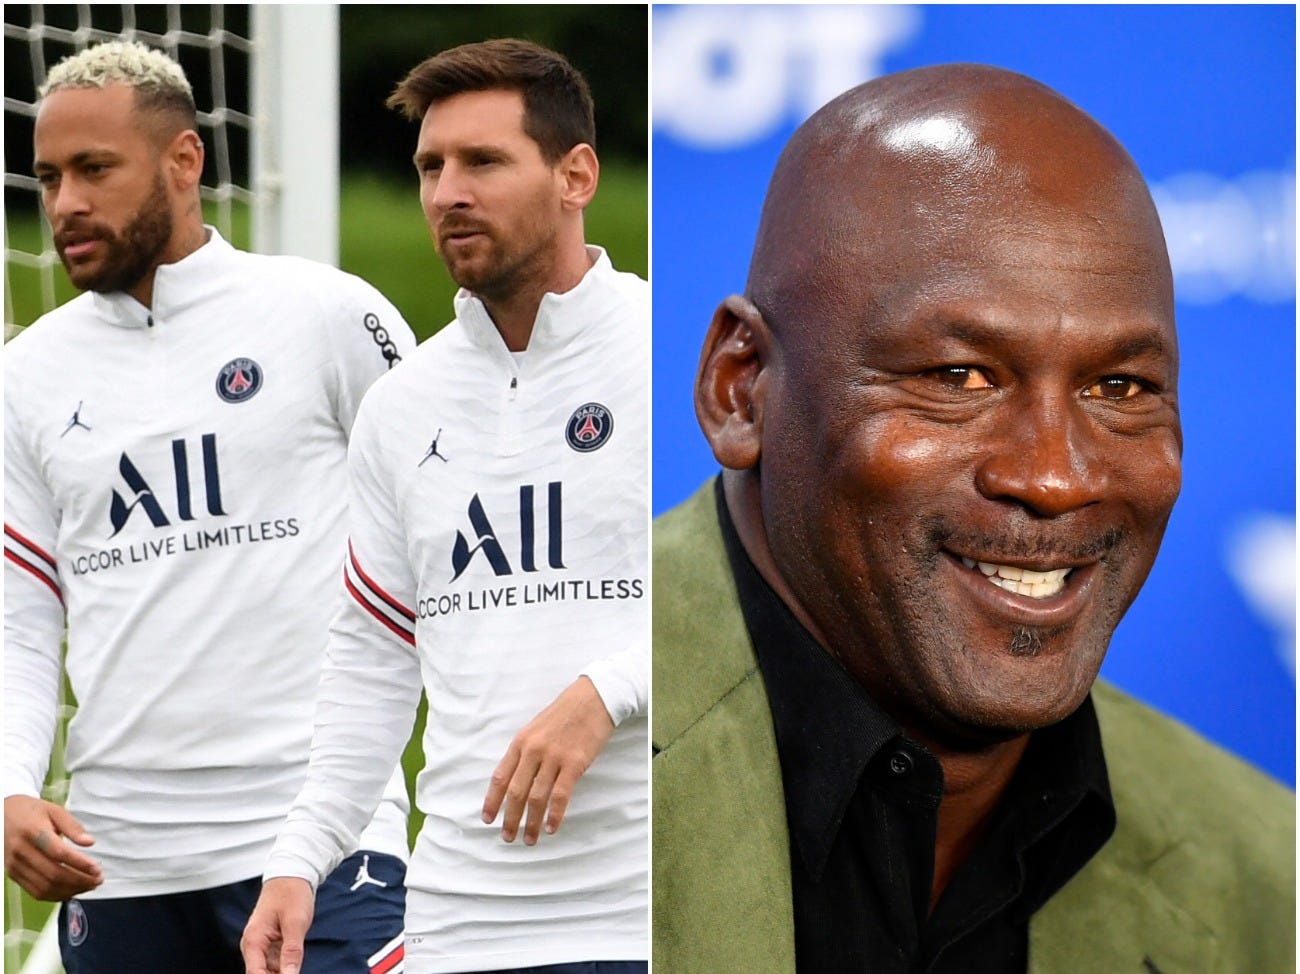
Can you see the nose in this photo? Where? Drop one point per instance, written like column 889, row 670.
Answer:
column 1046, row 456
column 450, row 190
column 65, row 199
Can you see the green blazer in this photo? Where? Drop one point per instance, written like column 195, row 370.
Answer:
column 1198, row 877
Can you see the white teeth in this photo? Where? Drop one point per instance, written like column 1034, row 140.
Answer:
column 1022, row 581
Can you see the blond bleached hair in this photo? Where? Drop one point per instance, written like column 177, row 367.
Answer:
column 159, row 82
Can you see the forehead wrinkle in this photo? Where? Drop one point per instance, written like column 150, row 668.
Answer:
column 1140, row 339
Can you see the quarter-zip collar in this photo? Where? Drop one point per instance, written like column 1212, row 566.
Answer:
column 560, row 317
column 176, row 287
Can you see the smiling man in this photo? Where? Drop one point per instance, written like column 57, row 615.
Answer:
column 498, row 557
column 946, row 408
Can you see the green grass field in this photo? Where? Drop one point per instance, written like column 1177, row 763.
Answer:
column 383, row 238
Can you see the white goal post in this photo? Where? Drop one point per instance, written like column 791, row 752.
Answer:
column 295, row 74
column 272, row 149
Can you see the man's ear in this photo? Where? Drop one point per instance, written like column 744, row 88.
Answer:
column 732, row 382
column 580, row 171
column 183, row 158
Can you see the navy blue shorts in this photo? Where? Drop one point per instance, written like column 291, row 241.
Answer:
column 357, row 928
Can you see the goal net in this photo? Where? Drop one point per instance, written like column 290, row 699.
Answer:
column 249, row 66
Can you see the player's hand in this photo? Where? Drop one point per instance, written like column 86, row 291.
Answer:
column 273, row 940
column 38, row 858
column 545, row 761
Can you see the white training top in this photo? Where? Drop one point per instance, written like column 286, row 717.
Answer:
column 499, row 523
column 175, row 483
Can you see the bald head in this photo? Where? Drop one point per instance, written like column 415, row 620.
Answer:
column 933, row 160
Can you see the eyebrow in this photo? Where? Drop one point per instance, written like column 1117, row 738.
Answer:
column 477, row 148
column 77, row 159
column 1152, row 343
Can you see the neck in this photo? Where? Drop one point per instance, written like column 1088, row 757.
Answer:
column 974, row 783
column 515, row 313
column 189, row 237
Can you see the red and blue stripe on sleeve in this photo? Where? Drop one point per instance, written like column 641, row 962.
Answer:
column 32, row 558
column 388, row 611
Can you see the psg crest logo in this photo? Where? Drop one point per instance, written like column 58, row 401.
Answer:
column 589, row 427
column 77, row 925
column 239, row 380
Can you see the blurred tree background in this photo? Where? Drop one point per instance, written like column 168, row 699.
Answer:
column 379, row 43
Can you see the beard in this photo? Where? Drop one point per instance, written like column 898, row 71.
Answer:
column 504, row 271
column 131, row 253
column 507, row 259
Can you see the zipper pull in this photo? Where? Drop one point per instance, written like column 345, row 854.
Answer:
column 514, row 386
column 150, row 320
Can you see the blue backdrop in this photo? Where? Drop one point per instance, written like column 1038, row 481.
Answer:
column 1203, row 97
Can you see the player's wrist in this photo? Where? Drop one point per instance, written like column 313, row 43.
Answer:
column 283, row 865
column 287, row 884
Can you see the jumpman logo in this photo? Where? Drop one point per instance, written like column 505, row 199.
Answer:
column 433, row 450
column 364, row 877
column 75, row 421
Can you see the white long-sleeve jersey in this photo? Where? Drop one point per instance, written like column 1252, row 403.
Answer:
column 498, row 529
column 175, row 485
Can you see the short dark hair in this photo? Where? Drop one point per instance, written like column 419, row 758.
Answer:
column 558, row 112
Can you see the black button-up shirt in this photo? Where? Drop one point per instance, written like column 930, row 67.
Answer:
column 862, row 803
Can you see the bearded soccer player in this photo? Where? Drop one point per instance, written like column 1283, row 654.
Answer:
column 175, row 480
column 498, row 514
